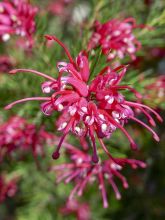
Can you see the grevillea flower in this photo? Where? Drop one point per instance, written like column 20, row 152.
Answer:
column 94, row 109
column 156, row 90
column 148, row 2
column 58, row 7
column 81, row 210
column 81, row 171
column 18, row 135
column 116, row 38
column 157, row 52
column 5, row 64
column 8, row 188
column 17, row 17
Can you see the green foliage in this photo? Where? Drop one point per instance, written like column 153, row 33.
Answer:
column 39, row 198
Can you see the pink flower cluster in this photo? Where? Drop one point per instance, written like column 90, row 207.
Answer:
column 115, row 38
column 18, row 135
column 17, row 17
column 5, row 64
column 81, row 171
column 80, row 210
column 58, row 7
column 156, row 90
column 8, row 188
column 89, row 108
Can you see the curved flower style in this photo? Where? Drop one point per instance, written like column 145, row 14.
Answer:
column 17, row 17
column 116, row 38
column 81, row 171
column 18, row 135
column 8, row 188
column 93, row 109
column 81, row 210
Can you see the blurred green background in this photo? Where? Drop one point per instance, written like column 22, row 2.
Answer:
column 38, row 196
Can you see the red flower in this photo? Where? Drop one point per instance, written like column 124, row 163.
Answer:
column 81, row 171
column 8, row 188
column 116, row 38
column 18, row 135
column 81, row 210
column 156, row 90
column 5, row 64
column 58, row 7
column 17, row 17
column 95, row 109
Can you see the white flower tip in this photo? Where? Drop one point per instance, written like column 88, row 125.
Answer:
column 118, row 196
column 5, row 37
column 62, row 126
column 77, row 130
column 103, row 127
column 1, row 9
column 131, row 49
column 84, row 109
column 105, row 205
column 107, row 97
column 60, row 107
column 117, row 33
column 46, row 89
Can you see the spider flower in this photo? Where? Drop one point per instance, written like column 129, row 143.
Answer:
column 5, row 64
column 81, row 172
column 115, row 38
column 94, row 109
column 156, row 91
column 8, row 188
column 58, row 7
column 17, row 17
column 81, row 210
column 18, row 135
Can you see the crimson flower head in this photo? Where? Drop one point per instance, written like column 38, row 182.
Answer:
column 115, row 38
column 17, row 134
column 93, row 109
column 17, row 17
column 58, row 7
column 156, row 90
column 8, row 188
column 81, row 210
column 5, row 64
column 81, row 172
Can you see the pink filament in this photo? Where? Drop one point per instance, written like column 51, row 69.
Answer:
column 145, row 106
column 49, row 37
column 102, row 187
column 155, row 136
column 137, row 94
column 25, row 100
column 117, row 193
column 32, row 71
column 105, row 149
column 95, row 158
column 150, row 119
